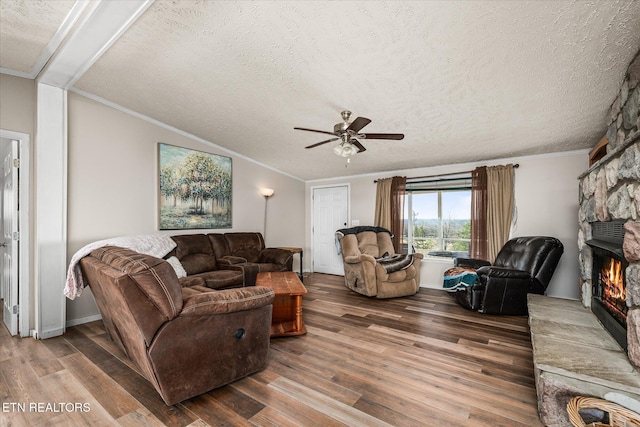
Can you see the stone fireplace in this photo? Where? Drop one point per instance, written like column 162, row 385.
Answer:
column 573, row 355
column 609, row 220
column 591, row 347
column 610, row 199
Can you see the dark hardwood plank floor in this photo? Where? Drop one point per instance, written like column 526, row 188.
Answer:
column 416, row 361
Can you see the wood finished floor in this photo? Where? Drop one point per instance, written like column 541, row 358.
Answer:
column 416, row 361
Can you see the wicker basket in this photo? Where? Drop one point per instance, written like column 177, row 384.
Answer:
column 619, row 416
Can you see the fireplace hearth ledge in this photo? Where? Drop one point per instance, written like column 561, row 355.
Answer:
column 570, row 347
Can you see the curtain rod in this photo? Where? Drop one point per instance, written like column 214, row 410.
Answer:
column 445, row 174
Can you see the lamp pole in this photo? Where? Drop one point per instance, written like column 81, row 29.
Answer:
column 266, row 193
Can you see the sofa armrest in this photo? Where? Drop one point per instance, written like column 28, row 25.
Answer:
column 276, row 256
column 228, row 260
column 471, row 262
column 503, row 273
column 227, row 301
column 355, row 259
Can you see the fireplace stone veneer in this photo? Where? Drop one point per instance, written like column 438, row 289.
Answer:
column 610, row 191
column 573, row 354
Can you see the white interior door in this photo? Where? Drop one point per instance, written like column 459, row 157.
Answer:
column 330, row 213
column 10, row 235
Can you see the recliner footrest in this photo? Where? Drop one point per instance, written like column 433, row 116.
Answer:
column 469, row 297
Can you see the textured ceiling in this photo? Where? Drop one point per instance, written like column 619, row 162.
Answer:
column 464, row 81
column 26, row 27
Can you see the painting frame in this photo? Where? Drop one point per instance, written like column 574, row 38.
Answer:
column 194, row 189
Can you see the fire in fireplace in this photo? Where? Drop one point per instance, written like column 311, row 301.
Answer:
column 612, row 288
column 609, row 297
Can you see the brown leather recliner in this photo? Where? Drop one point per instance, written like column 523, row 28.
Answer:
column 524, row 265
column 371, row 266
column 185, row 340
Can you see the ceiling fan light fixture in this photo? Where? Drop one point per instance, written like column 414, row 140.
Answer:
column 348, row 132
column 345, row 149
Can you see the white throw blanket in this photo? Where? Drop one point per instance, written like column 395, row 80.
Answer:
column 156, row 245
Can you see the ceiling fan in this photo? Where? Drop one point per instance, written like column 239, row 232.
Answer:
column 348, row 133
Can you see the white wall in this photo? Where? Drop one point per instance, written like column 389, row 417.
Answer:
column 546, row 191
column 113, row 186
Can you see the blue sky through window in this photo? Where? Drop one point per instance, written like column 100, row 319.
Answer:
column 455, row 205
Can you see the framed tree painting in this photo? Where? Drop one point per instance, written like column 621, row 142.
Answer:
column 195, row 189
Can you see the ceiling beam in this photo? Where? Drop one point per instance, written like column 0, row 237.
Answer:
column 101, row 26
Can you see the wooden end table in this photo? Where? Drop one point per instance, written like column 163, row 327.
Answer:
column 287, row 305
column 295, row 251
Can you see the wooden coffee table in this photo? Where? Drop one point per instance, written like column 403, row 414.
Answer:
column 287, row 304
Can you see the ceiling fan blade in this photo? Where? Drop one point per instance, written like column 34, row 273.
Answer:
column 395, row 136
column 321, row 142
column 358, row 124
column 314, row 130
column 358, row 145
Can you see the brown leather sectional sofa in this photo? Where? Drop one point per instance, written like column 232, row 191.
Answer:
column 224, row 260
column 196, row 333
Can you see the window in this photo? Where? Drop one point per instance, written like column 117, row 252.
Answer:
column 440, row 221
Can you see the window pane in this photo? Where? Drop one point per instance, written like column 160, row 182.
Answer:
column 456, row 220
column 439, row 230
column 425, row 221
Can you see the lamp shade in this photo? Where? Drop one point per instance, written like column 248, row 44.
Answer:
column 266, row 192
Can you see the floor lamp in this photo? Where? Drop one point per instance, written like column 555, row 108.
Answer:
column 266, row 192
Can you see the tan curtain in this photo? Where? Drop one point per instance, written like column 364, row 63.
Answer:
column 500, row 203
column 478, row 247
column 398, row 191
column 382, row 217
column 390, row 207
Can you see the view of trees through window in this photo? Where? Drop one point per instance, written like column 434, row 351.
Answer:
column 439, row 221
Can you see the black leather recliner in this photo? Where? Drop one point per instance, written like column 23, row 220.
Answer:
column 524, row 265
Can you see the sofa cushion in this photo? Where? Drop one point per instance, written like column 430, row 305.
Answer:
column 250, row 254
column 245, row 245
column 276, row 256
column 227, row 301
column 368, row 243
column 220, row 279
column 195, row 253
column 397, row 276
column 219, row 245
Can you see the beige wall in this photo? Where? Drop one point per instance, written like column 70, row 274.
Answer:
column 112, row 185
column 17, row 104
column 17, row 114
column 546, row 191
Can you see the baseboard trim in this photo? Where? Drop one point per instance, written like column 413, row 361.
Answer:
column 426, row 285
column 80, row 321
